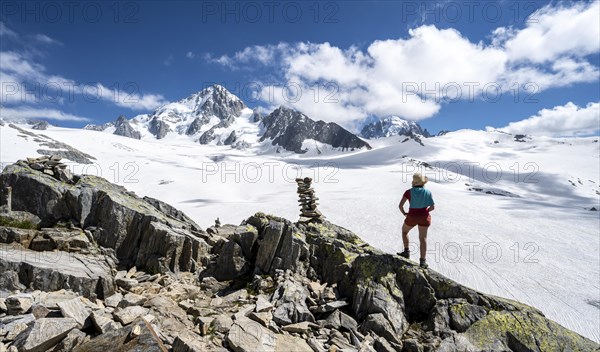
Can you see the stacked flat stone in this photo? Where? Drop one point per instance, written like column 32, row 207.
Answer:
column 50, row 165
column 307, row 200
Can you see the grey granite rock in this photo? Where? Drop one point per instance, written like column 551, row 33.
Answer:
column 123, row 128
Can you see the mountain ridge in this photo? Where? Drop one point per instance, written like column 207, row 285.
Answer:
column 290, row 128
column 216, row 116
column 392, row 126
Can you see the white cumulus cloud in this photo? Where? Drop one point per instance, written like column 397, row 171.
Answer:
column 555, row 31
column 412, row 77
column 564, row 120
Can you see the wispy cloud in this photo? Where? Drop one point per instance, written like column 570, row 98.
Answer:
column 261, row 54
column 24, row 113
column 190, row 55
column 27, row 40
column 42, row 38
column 7, row 32
column 133, row 101
column 19, row 73
column 169, row 60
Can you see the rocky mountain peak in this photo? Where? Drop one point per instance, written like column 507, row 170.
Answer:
column 215, row 100
column 392, row 126
column 290, row 129
column 281, row 116
column 195, row 113
column 123, row 128
column 221, row 103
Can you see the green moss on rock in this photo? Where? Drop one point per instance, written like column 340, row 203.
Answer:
column 7, row 222
column 518, row 330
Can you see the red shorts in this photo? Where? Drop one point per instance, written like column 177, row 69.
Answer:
column 419, row 219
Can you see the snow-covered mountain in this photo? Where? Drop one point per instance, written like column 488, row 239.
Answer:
column 215, row 116
column 392, row 126
column 294, row 131
column 200, row 114
column 34, row 124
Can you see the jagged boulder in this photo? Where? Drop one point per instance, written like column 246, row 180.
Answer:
column 289, row 300
column 44, row 334
column 231, row 263
column 281, row 246
column 148, row 234
column 90, row 275
column 138, row 336
column 249, row 336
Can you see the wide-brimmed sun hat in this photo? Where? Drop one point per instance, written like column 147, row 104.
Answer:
column 419, row 179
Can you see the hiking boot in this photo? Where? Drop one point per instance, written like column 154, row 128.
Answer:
column 423, row 263
column 405, row 254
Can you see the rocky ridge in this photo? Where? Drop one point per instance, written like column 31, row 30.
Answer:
column 149, row 279
column 392, row 126
column 54, row 147
column 290, row 129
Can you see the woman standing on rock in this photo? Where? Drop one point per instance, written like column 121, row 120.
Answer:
column 421, row 204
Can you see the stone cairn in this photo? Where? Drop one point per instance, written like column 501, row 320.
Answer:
column 308, row 201
column 50, row 165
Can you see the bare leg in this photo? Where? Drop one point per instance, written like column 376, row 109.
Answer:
column 423, row 240
column 405, row 230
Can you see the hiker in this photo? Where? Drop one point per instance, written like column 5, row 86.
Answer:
column 421, row 204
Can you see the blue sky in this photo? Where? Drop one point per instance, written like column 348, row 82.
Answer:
column 370, row 55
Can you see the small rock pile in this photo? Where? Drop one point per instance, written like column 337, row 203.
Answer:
column 308, row 201
column 52, row 166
